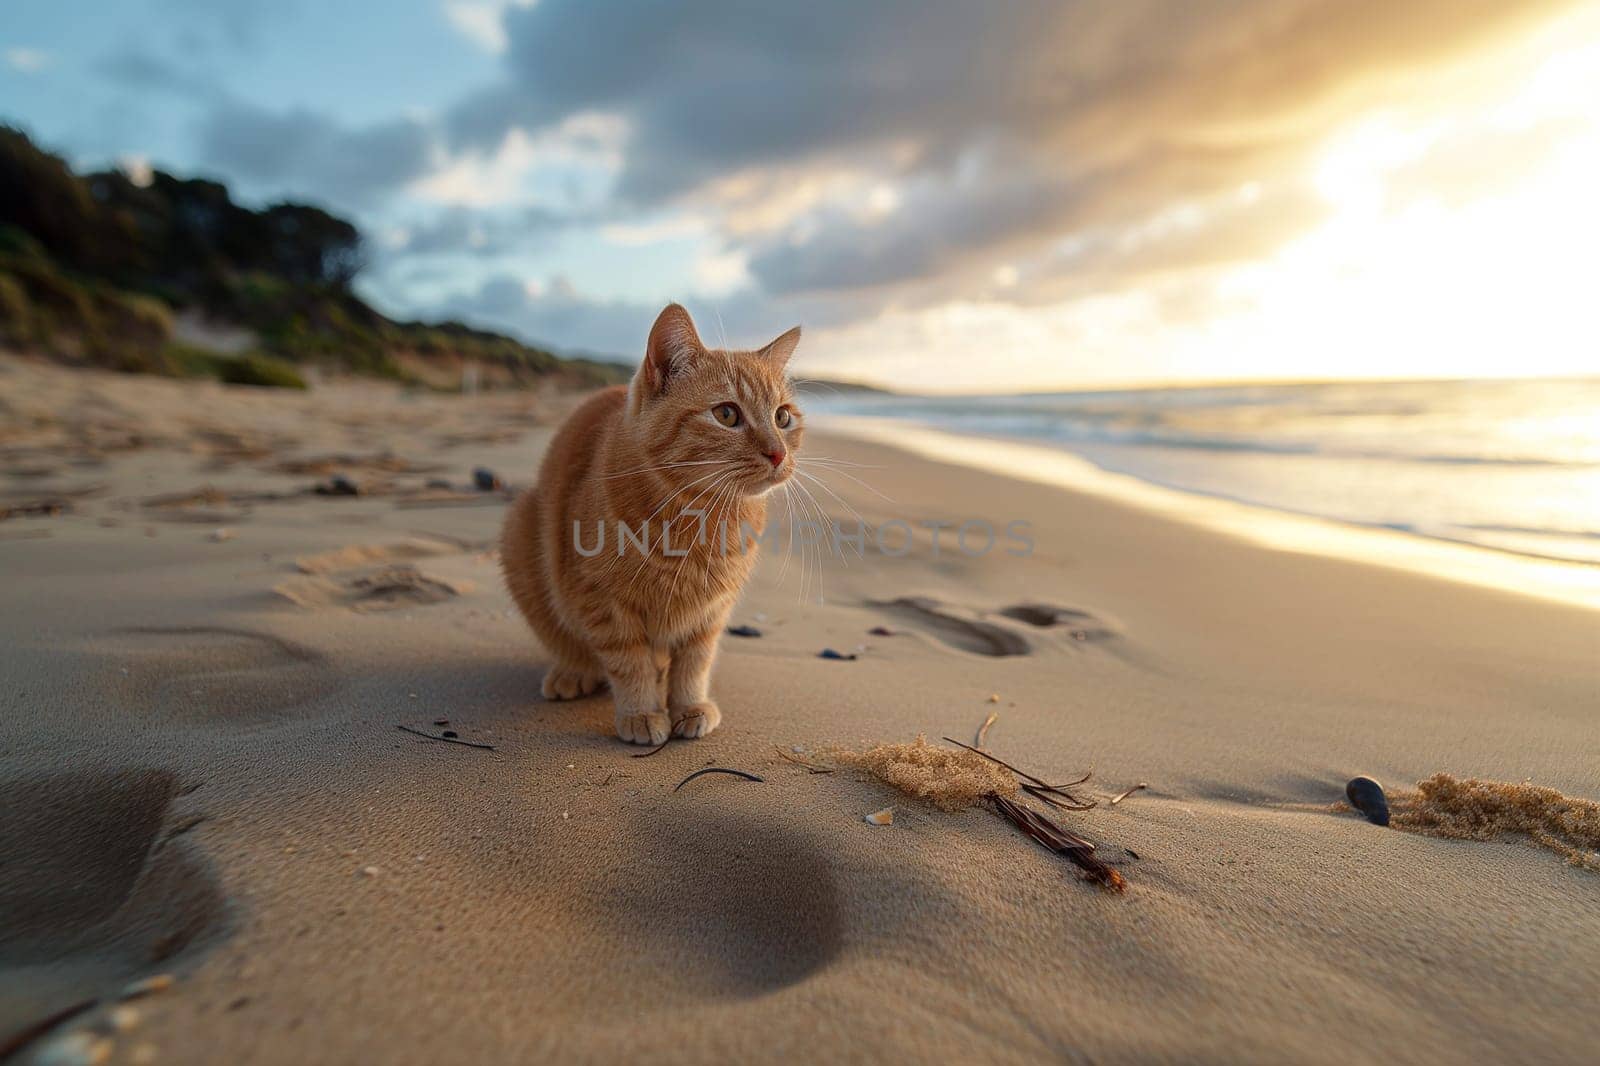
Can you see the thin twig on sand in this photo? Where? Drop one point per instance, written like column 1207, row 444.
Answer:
column 717, row 770
column 445, row 740
column 801, row 762
column 983, row 730
column 652, row 751
column 1060, row 841
column 1119, row 797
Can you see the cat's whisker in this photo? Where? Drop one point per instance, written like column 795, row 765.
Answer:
column 645, row 525
column 863, row 484
column 866, row 526
column 801, row 383
column 713, row 510
column 722, row 479
column 723, row 333
column 814, row 509
column 789, row 507
column 837, row 462
column 829, row 525
column 714, row 477
column 663, row 466
column 832, row 541
column 793, row 505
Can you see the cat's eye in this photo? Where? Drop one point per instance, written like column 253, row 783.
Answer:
column 727, row 414
column 783, row 417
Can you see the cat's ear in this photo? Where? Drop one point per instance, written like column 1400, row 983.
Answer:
column 779, row 351
column 672, row 346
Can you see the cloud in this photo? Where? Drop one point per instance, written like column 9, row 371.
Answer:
column 240, row 24
column 480, row 233
column 551, row 309
column 480, row 21
column 310, row 154
column 540, row 310
column 996, row 129
column 27, row 60
column 133, row 68
column 572, row 163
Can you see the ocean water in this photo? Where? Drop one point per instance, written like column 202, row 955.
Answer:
column 1507, row 465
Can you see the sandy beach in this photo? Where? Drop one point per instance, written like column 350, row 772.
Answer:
column 202, row 773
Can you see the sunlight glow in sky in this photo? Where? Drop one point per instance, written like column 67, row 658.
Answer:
column 1038, row 196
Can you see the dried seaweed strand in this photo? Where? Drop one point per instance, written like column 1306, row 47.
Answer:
column 652, row 751
column 1060, row 841
column 1119, row 797
column 1071, row 802
column 717, row 770
column 446, row 740
column 1049, row 796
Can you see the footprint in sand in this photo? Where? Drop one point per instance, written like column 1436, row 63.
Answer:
column 942, row 622
column 96, row 889
column 372, row 577
column 195, row 672
column 967, row 630
column 1079, row 625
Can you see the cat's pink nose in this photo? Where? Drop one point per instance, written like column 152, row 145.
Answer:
column 775, row 456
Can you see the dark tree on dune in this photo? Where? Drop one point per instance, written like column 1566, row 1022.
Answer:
column 92, row 267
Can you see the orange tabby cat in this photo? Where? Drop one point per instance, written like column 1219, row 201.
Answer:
column 664, row 473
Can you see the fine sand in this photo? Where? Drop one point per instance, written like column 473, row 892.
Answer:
column 206, row 663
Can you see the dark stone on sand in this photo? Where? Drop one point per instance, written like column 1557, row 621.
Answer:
column 829, row 653
column 486, row 480
column 338, row 485
column 744, row 631
column 882, row 631
column 1366, row 796
column 451, row 733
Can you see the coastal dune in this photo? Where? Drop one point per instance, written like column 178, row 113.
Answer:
column 203, row 771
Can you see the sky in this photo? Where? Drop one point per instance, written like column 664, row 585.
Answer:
column 948, row 196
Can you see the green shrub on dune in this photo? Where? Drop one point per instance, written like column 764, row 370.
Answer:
column 261, row 370
column 93, row 267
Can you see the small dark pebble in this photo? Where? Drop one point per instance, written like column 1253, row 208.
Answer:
column 485, row 480
column 338, row 485
column 1366, row 796
column 744, row 631
column 829, row 653
column 450, row 733
column 883, row 631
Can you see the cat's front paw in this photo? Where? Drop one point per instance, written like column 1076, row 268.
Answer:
column 695, row 719
column 565, row 683
column 649, row 727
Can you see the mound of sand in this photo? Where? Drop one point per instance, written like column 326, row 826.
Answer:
column 1444, row 806
column 950, row 779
